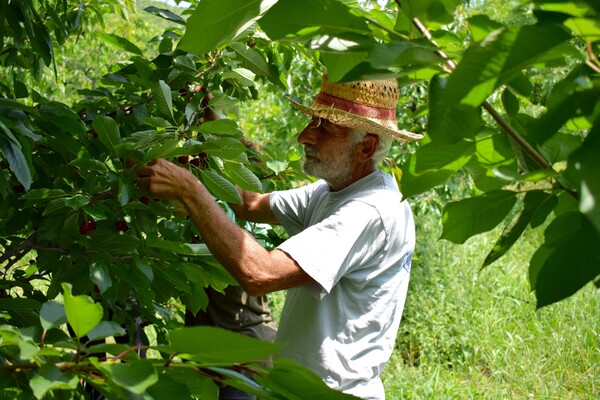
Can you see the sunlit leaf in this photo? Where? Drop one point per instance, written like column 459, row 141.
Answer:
column 220, row 187
column 498, row 58
column 251, row 59
column 120, row 42
column 166, row 14
column 242, row 176
column 449, row 123
column 465, row 218
column 221, row 127
column 136, row 377
column 215, row 22
column 49, row 378
column 217, row 346
column 82, row 313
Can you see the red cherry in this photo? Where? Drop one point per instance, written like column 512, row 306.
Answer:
column 195, row 162
column 93, row 133
column 121, row 225
column 87, row 226
column 18, row 188
column 144, row 200
column 202, row 155
column 183, row 159
column 97, row 289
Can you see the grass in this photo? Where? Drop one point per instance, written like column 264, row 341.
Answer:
column 469, row 333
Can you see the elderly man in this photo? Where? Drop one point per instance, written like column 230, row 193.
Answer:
column 346, row 264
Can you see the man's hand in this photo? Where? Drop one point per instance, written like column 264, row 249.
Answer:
column 164, row 180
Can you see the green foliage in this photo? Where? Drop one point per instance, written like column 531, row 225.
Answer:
column 474, row 333
column 106, row 259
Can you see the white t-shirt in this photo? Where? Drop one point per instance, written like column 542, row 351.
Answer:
column 357, row 244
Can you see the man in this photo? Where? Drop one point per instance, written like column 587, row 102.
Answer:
column 347, row 261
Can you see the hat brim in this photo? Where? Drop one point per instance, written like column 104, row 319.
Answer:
column 349, row 120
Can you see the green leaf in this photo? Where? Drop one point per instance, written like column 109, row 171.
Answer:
column 277, row 166
column 449, row 157
column 497, row 59
column 221, row 127
column 82, row 313
column 583, row 169
column 225, row 147
column 215, row 22
column 251, row 59
column 51, row 378
column 220, row 187
column 52, row 315
column 10, row 335
column 414, row 8
column 481, row 26
column 587, row 28
column 188, row 249
column 533, row 202
column 574, row 96
column 243, row 77
column 44, row 194
column 135, row 377
column 99, row 275
column 185, row 64
column 163, row 150
column 120, row 42
column 108, row 132
column 242, row 176
column 106, row 329
column 16, row 160
column 448, row 123
column 309, row 17
column 167, row 388
column 574, row 260
column 89, row 164
column 63, row 117
column 465, row 218
column 23, row 311
column 166, row 14
column 202, row 387
column 432, row 164
column 293, row 381
column 162, row 97
column 413, row 53
column 217, row 346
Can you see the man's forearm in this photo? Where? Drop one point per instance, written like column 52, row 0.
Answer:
column 254, row 208
column 258, row 270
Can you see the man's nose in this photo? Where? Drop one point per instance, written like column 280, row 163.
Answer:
column 308, row 134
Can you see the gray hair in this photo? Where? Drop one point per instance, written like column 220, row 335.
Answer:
column 385, row 142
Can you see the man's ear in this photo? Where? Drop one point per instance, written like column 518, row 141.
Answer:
column 368, row 147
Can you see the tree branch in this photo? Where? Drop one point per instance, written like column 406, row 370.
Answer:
column 17, row 252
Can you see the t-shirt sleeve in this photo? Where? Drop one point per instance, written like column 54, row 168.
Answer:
column 290, row 207
column 337, row 246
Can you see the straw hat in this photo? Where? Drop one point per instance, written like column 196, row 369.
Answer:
column 368, row 105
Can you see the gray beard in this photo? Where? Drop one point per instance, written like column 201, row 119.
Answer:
column 336, row 170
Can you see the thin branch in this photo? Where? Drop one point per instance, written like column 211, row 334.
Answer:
column 18, row 252
column 592, row 62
